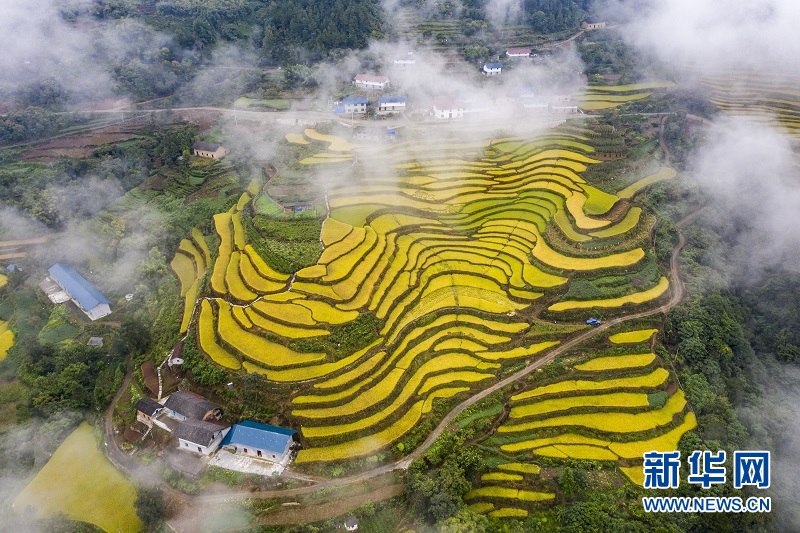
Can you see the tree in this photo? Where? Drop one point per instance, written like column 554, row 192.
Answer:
column 465, row 521
column 150, row 506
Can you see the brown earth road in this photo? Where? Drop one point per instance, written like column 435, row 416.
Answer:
column 677, row 290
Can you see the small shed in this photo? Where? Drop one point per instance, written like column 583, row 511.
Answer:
column 260, row 440
column 146, row 410
column 200, row 436
column 210, row 150
column 351, row 523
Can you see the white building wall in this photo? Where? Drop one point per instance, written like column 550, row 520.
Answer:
column 370, row 84
column 99, row 311
column 205, row 450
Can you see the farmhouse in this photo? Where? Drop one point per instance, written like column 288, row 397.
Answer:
column 146, row 410
column 260, row 440
column 355, row 105
column 210, row 150
column 493, row 69
column 592, row 25
column 566, row 107
column 445, row 107
column 368, row 81
column 200, row 436
column 64, row 283
column 518, row 52
column 183, row 405
column 391, row 104
column 405, row 61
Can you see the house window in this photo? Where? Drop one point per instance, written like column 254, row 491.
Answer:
column 273, row 456
column 186, row 444
column 245, row 450
column 259, row 453
column 199, row 449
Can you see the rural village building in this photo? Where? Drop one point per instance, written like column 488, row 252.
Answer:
column 592, row 25
column 356, row 105
column 493, row 69
column 210, row 150
column 392, row 104
column 351, row 523
column 272, row 443
column 405, row 61
column 63, row 284
column 146, row 410
column 200, row 436
column 518, row 52
column 567, row 107
column 368, row 81
column 183, row 405
column 445, row 107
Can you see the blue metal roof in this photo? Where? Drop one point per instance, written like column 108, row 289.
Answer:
column 392, row 100
column 355, row 100
column 494, row 65
column 76, row 285
column 261, row 436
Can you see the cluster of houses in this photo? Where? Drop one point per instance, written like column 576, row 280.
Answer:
column 195, row 423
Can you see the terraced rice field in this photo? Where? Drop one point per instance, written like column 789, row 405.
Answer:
column 451, row 259
column 598, row 98
column 772, row 100
column 606, row 415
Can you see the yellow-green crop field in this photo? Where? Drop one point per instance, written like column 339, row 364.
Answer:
column 764, row 99
column 598, row 98
column 640, row 335
column 452, row 258
column 6, row 339
column 80, row 482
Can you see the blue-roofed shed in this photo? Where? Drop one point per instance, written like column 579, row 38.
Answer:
column 80, row 291
column 260, row 440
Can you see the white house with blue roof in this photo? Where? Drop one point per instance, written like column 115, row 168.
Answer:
column 493, row 69
column 272, row 443
column 355, row 104
column 392, row 104
column 80, row 291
